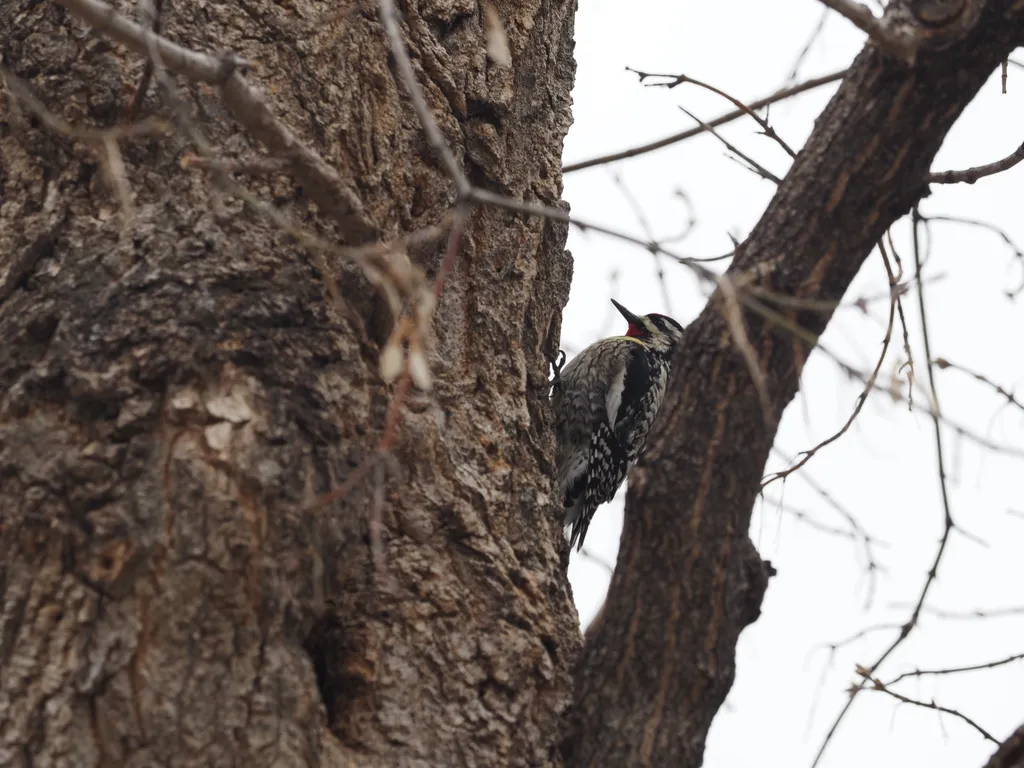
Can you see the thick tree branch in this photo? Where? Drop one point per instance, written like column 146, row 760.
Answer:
column 1011, row 753
column 688, row 580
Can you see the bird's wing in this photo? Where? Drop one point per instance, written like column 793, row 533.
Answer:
column 627, row 399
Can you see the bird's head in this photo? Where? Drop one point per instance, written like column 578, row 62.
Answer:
column 659, row 332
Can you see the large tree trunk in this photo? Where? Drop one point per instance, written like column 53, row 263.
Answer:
column 177, row 394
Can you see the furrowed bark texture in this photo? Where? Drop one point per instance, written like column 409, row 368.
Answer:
column 661, row 660
column 176, row 395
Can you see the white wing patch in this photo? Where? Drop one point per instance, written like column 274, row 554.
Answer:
column 614, row 397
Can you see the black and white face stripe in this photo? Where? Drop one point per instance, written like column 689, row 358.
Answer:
column 661, row 332
column 666, row 325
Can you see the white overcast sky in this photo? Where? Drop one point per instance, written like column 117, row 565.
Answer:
column 884, row 469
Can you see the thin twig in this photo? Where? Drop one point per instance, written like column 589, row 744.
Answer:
column 689, row 224
column 937, row 410
column 878, row 685
column 859, row 635
column 645, row 225
column 728, row 117
column 597, row 560
column 147, row 72
column 909, row 364
column 833, row 648
column 956, row 670
column 942, row 364
column 873, row 567
column 756, row 166
column 815, row 34
column 809, row 520
column 677, row 80
column 869, row 385
column 981, row 613
column 737, row 330
column 401, row 392
column 486, row 197
column 948, row 525
column 784, row 323
column 1003, row 235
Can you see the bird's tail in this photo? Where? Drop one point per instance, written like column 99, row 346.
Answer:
column 577, row 521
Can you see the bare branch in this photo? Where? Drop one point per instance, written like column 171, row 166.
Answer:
column 1003, row 235
column 758, row 168
column 956, row 670
column 486, row 197
column 909, row 364
column 734, row 320
column 147, row 73
column 691, row 219
column 809, row 520
column 867, row 540
column 869, row 385
column 971, row 175
column 942, row 364
column 645, row 225
column 878, row 685
column 982, row 613
column 957, row 428
column 675, row 80
column 948, row 524
column 860, row 635
column 815, row 34
column 728, row 117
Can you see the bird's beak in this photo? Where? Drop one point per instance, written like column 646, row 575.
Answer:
column 630, row 317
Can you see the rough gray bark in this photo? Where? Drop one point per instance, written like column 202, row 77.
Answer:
column 175, row 396
column 660, row 662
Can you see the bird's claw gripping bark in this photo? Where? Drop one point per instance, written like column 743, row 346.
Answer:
column 557, row 363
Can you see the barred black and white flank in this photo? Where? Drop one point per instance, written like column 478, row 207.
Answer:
column 605, row 400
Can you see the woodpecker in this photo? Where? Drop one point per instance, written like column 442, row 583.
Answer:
column 605, row 401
